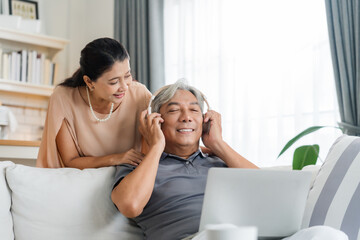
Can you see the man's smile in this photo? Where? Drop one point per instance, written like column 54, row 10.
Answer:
column 184, row 130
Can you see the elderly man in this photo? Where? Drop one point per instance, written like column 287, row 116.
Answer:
column 164, row 193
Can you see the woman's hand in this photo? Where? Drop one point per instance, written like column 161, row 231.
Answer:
column 131, row 157
column 150, row 129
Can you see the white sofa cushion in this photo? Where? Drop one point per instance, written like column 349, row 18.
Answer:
column 67, row 204
column 6, row 223
column 334, row 199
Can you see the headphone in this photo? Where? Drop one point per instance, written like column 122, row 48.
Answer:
column 202, row 95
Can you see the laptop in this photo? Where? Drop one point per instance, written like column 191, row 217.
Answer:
column 272, row 200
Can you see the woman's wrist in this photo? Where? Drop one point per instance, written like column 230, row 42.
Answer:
column 111, row 160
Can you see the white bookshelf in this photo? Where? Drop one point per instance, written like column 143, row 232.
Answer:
column 15, row 40
column 27, row 100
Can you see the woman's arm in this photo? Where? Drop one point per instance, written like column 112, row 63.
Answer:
column 214, row 141
column 134, row 191
column 71, row 158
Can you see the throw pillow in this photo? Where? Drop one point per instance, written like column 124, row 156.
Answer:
column 6, row 223
column 66, row 203
column 334, row 199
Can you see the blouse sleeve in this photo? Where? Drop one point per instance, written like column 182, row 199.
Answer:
column 48, row 156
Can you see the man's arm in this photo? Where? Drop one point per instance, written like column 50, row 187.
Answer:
column 214, row 141
column 134, row 191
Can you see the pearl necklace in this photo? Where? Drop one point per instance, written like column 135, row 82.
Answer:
column 92, row 111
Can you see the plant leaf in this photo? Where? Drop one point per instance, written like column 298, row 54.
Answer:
column 300, row 135
column 305, row 155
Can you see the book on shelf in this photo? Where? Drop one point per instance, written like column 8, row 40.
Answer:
column 18, row 66
column 4, row 7
column 41, row 77
column 47, row 72
column 5, row 68
column 53, row 74
column 37, row 77
column 12, row 60
column 27, row 66
column 23, row 65
column 1, row 62
column 33, row 57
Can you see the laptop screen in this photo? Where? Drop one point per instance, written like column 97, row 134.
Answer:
column 272, row 200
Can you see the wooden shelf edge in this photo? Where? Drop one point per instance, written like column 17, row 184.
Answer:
column 33, row 38
column 25, row 88
column 19, row 143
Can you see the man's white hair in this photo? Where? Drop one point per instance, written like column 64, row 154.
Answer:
column 166, row 93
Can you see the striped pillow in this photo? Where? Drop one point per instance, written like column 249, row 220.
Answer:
column 334, row 199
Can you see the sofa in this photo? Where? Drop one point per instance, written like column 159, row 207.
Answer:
column 74, row 204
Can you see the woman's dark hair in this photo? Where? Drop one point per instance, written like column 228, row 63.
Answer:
column 96, row 58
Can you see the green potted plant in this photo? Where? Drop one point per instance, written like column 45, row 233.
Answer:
column 306, row 154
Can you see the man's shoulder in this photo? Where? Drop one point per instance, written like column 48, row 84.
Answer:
column 213, row 160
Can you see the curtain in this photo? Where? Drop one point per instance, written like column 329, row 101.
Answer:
column 264, row 65
column 139, row 27
column 343, row 17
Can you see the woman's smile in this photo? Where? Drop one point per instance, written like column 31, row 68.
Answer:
column 119, row 95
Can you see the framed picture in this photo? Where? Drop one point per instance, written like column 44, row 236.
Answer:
column 25, row 8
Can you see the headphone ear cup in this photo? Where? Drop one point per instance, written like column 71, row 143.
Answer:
column 150, row 102
column 206, row 127
column 206, row 102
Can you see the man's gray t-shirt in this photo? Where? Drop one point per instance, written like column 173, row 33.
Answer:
column 174, row 209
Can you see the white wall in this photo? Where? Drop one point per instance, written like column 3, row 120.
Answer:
column 79, row 21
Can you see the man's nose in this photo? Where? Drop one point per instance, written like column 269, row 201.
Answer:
column 185, row 116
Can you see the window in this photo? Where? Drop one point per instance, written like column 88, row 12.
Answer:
column 264, row 65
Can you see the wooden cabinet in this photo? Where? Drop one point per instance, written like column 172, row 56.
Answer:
column 23, row 152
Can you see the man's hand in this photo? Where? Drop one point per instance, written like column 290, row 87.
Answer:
column 150, row 128
column 212, row 139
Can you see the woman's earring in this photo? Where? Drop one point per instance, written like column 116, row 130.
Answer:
column 90, row 88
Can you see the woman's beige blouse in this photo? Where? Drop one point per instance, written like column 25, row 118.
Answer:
column 92, row 138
